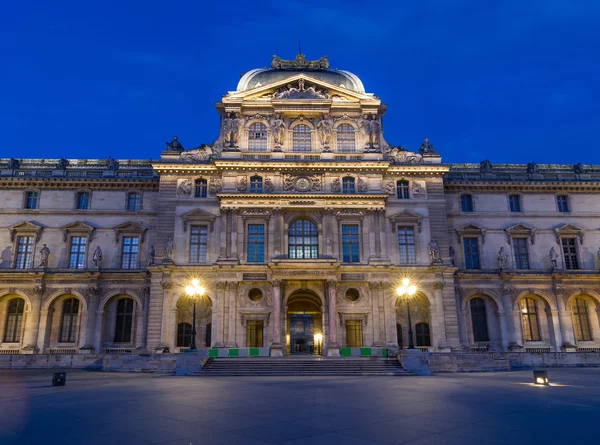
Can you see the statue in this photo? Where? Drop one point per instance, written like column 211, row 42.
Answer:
column 390, row 188
column 300, row 62
column 452, row 256
column 242, row 184
column 316, row 183
column 418, row 190
column 370, row 126
column 426, row 147
column 97, row 257
column 184, row 188
column 502, row 259
column 174, row 145
column 169, row 248
column 336, row 185
column 278, row 130
column 553, row 257
column 203, row 152
column 532, row 168
column 288, row 183
column 44, row 256
column 400, row 155
column 578, row 168
column 62, row 164
column 485, row 166
column 434, row 251
column 14, row 164
column 269, row 186
column 231, row 130
column 112, row 163
column 324, row 129
column 151, row 255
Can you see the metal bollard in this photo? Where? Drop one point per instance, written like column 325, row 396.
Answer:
column 59, row 379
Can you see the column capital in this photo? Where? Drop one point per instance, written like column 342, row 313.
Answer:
column 331, row 283
column 277, row 282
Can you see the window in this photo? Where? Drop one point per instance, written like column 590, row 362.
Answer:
column 581, row 320
column 354, row 336
column 350, row 243
column 130, row 252
column 399, row 336
column 514, row 202
column 406, row 243
column 521, row 254
column 14, row 320
column 77, row 255
column 83, row 200
column 466, row 203
column 184, row 335
column 256, row 243
column 24, row 252
column 569, row 246
column 255, row 294
column 254, row 334
column 345, row 139
column 198, row 244
column 124, row 320
column 257, row 137
column 301, row 138
column 562, row 202
column 31, row 200
column 531, row 329
column 352, row 294
column 256, row 184
column 134, row 201
column 471, row 247
column 208, row 335
column 423, row 335
column 402, row 189
column 200, row 188
column 69, row 320
column 303, row 239
column 347, row 185
column 479, row 320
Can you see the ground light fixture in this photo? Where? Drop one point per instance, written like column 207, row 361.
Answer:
column 406, row 291
column 540, row 378
column 318, row 342
column 194, row 291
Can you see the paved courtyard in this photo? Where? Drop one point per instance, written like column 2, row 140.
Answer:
column 491, row 408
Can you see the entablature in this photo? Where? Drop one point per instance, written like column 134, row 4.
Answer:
column 374, row 201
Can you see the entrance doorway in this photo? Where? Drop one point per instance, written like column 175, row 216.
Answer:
column 304, row 319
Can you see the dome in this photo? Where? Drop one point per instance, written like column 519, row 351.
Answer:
column 282, row 69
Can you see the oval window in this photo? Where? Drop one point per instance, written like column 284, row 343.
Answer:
column 255, row 294
column 352, row 294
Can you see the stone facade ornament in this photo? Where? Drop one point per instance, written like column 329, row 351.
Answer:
column 578, row 168
column 231, row 127
column 97, row 257
column 502, row 259
column 242, row 185
column 214, row 186
column 361, row 185
column 399, row 155
column 438, row 285
column 532, row 168
column 426, row 147
column 316, row 183
column 14, row 164
column 62, row 164
column 325, row 129
column 269, row 186
column 300, row 92
column 553, row 257
column 389, row 187
column 434, row 251
column 452, row 255
column 166, row 284
column 151, row 256
column 169, row 248
column 112, row 163
column 288, row 183
column 485, row 166
column 336, row 185
column 200, row 154
column 278, row 130
column 417, row 190
column 44, row 256
column 174, row 145
column 184, row 188
column 300, row 62
column 371, row 126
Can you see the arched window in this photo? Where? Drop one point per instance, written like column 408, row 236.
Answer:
column 531, row 328
column 184, row 335
column 68, row 326
column 256, row 184
column 479, row 320
column 303, row 239
column 257, row 137
column 134, row 201
column 402, row 189
column 345, row 139
column 14, row 320
column 200, row 188
column 423, row 336
column 399, row 336
column 581, row 320
column 301, row 138
column 348, row 185
column 124, row 320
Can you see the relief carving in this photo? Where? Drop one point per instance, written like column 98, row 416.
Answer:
column 269, row 186
column 361, row 185
column 184, row 187
column 242, row 184
column 336, row 185
column 215, row 186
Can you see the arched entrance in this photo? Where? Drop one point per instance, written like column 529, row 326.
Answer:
column 184, row 323
column 304, row 323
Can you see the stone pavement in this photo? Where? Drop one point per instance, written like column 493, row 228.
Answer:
column 466, row 409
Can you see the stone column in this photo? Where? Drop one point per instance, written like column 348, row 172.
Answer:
column 140, row 329
column 565, row 322
column 217, row 317
column 276, row 346
column 41, row 339
column 377, row 228
column 166, row 285
column 503, row 329
column 509, row 314
column 378, row 335
column 98, row 332
column 231, row 316
column 233, row 244
column 328, row 223
column 224, row 226
column 333, row 349
column 440, row 339
column 383, row 222
column 32, row 326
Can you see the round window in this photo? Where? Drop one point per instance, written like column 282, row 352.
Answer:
column 352, row 294
column 255, row 294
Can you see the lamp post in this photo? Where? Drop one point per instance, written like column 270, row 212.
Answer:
column 194, row 291
column 406, row 291
column 318, row 341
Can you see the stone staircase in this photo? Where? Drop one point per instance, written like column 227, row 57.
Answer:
column 305, row 366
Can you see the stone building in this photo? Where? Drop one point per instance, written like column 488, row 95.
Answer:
column 300, row 220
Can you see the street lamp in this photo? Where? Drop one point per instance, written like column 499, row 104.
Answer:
column 406, row 291
column 318, row 341
column 194, row 291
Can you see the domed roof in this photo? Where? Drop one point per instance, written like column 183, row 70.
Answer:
column 282, row 69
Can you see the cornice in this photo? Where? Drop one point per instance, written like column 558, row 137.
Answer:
column 304, row 196
column 523, row 185
column 108, row 183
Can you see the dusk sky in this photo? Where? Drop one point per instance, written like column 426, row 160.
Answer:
column 510, row 81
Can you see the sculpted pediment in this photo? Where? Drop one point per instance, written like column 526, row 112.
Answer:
column 78, row 227
column 519, row 229
column 130, row 227
column 197, row 215
column 406, row 216
column 26, row 227
column 471, row 229
column 568, row 230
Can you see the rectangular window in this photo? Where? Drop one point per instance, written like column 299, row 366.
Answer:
column 350, row 243
column 562, row 203
column 77, row 256
column 198, row 244
column 354, row 337
column 569, row 246
column 466, row 203
column 406, row 242
column 31, row 200
column 581, row 320
column 256, row 243
column 402, row 189
column 14, row 320
column 24, row 252
column 83, row 200
column 521, row 254
column 471, row 247
column 134, row 201
column 531, row 328
column 515, row 203
column 68, row 328
column 130, row 252
column 254, row 334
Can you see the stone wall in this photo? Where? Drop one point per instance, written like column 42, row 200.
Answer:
column 553, row 359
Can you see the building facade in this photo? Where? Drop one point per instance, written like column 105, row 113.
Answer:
column 300, row 222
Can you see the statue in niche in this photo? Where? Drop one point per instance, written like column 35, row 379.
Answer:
column 553, row 254
column 278, row 130
column 502, row 259
column 174, row 145
column 370, row 126
column 151, row 255
column 324, row 129
column 232, row 124
column 532, row 167
column 97, row 257
column 485, row 166
column 434, row 251
column 169, row 248
column 44, row 256
column 426, row 147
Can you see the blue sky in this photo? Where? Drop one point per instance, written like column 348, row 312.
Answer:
column 509, row 81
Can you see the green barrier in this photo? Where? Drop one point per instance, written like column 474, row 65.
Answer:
column 213, row 353
column 384, row 352
column 365, row 352
column 345, row 352
column 254, row 352
column 234, row 352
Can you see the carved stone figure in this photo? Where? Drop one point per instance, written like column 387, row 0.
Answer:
column 426, row 147
column 434, row 251
column 184, row 188
column 62, row 164
column 44, row 256
column 532, row 168
column 169, row 248
column 174, row 145
column 553, row 254
column 278, row 130
column 390, row 188
column 214, row 186
column 361, row 185
column 112, row 163
column 370, row 126
column 288, row 183
column 232, row 125
column 202, row 153
column 242, row 185
column 14, row 163
column 578, row 168
column 502, row 259
column 336, row 185
column 316, row 183
column 417, row 189
column 291, row 92
column 269, row 186
column 151, row 255
column 452, row 256
column 300, row 62
column 399, row 155
column 97, row 257
column 324, row 129
column 485, row 166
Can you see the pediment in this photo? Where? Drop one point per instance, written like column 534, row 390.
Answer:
column 471, row 229
column 568, row 229
column 197, row 215
column 408, row 217
column 24, row 227
column 78, row 226
column 130, row 227
column 520, row 229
